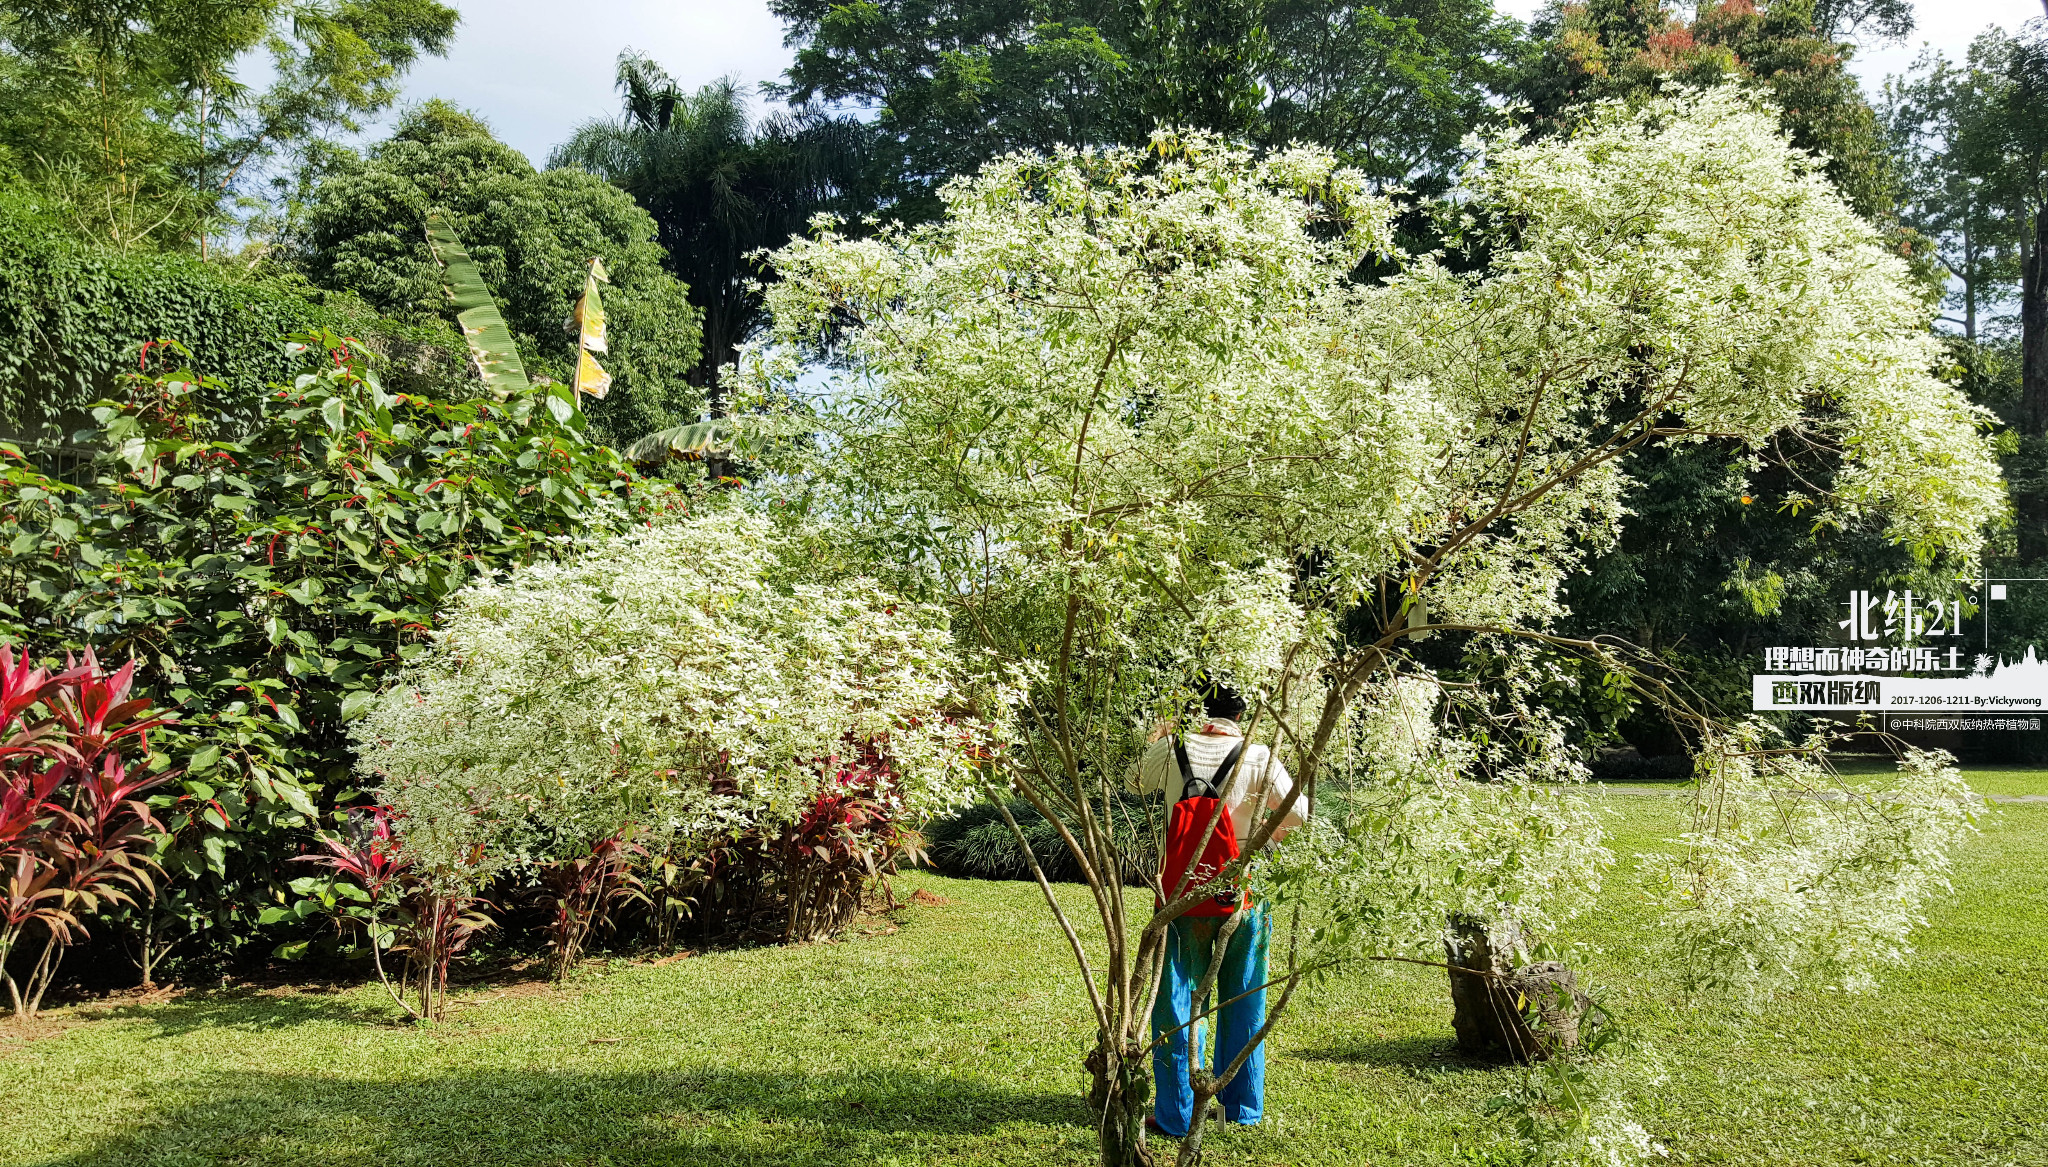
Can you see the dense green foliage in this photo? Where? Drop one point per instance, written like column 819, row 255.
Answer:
column 74, row 314
column 533, row 234
column 1391, row 87
column 268, row 577
column 721, row 187
column 1719, row 566
column 132, row 118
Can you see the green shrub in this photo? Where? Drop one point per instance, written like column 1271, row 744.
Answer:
column 267, row 577
column 73, row 316
column 978, row 844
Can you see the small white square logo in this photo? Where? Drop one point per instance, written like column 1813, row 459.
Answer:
column 1997, row 591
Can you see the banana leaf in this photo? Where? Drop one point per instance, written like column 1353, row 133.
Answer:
column 590, row 310
column 691, row 442
column 490, row 341
column 591, row 377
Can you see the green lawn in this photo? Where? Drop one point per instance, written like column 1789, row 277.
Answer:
column 2009, row 780
column 957, row 1039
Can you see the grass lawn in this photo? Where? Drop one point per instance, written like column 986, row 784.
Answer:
column 957, row 1037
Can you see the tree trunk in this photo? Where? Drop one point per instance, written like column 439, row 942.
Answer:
column 1969, row 288
column 29, row 1001
column 1120, row 1098
column 2034, row 326
column 153, row 953
column 1490, row 1003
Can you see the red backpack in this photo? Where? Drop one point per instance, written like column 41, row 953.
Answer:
column 1186, row 842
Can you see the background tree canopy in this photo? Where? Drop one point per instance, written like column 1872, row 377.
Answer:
column 131, row 116
column 1609, row 48
column 720, row 187
column 531, row 232
column 1971, row 137
column 1392, row 88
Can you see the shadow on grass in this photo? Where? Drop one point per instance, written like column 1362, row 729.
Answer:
column 1407, row 1053
column 535, row 1117
column 246, row 1010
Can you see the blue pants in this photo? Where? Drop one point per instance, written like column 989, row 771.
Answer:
column 1189, row 943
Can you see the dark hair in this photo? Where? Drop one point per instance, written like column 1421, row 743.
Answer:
column 1220, row 700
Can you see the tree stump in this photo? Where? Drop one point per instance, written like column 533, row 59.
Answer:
column 1492, row 1000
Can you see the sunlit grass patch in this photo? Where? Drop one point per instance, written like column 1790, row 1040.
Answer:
column 957, row 1039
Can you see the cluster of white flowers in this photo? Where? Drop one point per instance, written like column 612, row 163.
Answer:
column 1793, row 875
column 1395, row 731
column 1116, row 371
column 1571, row 1111
column 681, row 679
column 1406, row 840
column 1679, row 247
column 1116, row 401
column 1616, row 1140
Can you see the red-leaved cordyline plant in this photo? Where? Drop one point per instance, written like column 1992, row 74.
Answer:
column 75, row 832
column 582, row 891
column 777, row 882
column 370, row 857
column 442, row 921
column 433, row 925
column 848, row 835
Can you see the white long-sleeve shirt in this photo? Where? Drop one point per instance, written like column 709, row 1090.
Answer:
column 1157, row 771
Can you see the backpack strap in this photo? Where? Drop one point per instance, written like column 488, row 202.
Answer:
column 1215, row 784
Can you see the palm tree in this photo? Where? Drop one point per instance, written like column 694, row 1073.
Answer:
column 720, row 186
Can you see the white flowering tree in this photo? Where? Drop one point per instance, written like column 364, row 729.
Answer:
column 684, row 680
column 1131, row 417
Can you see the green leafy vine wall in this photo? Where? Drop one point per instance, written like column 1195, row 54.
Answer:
column 74, row 316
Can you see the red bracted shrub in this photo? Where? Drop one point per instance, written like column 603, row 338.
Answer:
column 807, row 880
column 848, row 836
column 432, row 927
column 75, row 833
column 582, row 891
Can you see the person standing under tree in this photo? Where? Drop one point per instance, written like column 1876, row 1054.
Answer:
column 1194, row 771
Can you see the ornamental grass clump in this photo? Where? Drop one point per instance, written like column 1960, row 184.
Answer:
column 689, row 683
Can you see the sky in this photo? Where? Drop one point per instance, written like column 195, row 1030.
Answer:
column 536, row 69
